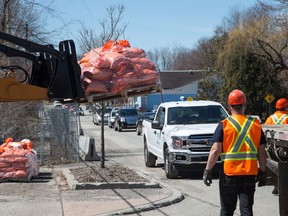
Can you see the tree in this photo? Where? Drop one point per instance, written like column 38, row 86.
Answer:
column 243, row 62
column 110, row 29
column 89, row 40
column 22, row 19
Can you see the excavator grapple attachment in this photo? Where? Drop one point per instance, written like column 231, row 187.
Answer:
column 12, row 90
column 55, row 74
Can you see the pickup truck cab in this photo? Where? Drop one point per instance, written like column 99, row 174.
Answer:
column 181, row 134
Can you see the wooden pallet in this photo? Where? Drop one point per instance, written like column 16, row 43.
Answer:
column 133, row 92
column 15, row 180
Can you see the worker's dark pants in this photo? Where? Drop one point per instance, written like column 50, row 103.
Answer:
column 234, row 187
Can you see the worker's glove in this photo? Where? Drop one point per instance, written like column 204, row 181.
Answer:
column 207, row 177
column 261, row 178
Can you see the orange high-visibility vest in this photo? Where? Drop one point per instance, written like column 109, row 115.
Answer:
column 241, row 140
column 279, row 117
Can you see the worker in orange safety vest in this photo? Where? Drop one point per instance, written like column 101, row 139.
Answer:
column 280, row 116
column 240, row 141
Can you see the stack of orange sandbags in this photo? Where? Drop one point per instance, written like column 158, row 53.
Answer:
column 115, row 67
column 18, row 160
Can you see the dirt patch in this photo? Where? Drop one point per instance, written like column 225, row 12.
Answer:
column 110, row 173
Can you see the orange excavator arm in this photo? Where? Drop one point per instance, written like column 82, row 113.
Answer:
column 55, row 74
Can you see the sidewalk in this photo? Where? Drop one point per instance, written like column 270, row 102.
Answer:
column 115, row 198
column 50, row 195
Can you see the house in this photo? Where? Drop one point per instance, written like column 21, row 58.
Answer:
column 174, row 84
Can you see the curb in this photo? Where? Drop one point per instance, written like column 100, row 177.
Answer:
column 175, row 197
column 75, row 185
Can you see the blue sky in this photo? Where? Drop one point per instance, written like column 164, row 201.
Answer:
column 151, row 23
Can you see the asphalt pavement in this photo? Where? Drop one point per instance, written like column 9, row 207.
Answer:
column 46, row 196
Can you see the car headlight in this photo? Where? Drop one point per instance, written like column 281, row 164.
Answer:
column 122, row 119
column 177, row 142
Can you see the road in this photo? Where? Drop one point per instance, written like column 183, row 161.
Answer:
column 126, row 148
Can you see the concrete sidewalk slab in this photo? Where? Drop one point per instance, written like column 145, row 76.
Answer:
column 118, row 198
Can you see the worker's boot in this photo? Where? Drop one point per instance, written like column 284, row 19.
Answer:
column 275, row 190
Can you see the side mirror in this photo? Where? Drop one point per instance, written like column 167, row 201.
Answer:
column 156, row 125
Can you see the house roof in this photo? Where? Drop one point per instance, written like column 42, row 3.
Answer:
column 176, row 78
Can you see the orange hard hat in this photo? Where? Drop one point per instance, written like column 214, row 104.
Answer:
column 236, row 97
column 281, row 103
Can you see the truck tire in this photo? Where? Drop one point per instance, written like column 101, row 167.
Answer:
column 149, row 158
column 137, row 131
column 170, row 171
column 119, row 128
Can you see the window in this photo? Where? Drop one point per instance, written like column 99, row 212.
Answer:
column 196, row 115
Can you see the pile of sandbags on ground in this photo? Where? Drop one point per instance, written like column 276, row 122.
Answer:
column 18, row 160
column 116, row 67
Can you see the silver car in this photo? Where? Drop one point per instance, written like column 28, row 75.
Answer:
column 111, row 118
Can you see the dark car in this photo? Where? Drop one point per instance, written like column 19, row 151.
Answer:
column 126, row 118
column 144, row 115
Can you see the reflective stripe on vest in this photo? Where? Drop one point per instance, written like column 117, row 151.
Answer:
column 242, row 138
column 280, row 120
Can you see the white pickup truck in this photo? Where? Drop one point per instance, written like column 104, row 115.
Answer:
column 181, row 134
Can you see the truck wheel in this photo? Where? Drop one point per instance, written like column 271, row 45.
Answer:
column 115, row 127
column 170, row 171
column 137, row 131
column 119, row 128
column 149, row 158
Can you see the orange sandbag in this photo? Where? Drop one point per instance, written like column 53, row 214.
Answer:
column 93, row 54
column 124, row 43
column 27, row 143
column 117, row 60
column 86, row 67
column 8, row 152
column 13, row 159
column 19, row 153
column 19, row 174
column 112, row 44
column 119, row 86
column 7, row 169
column 5, row 165
column 19, row 166
column 143, row 63
column 100, row 62
column 95, row 87
column 99, row 74
column 107, row 45
column 134, row 52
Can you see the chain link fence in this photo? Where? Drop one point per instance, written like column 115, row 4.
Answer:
column 54, row 129
column 59, row 134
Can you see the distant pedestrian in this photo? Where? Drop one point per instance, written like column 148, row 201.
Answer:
column 240, row 142
column 280, row 116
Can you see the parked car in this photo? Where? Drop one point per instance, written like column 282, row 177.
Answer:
column 144, row 115
column 97, row 116
column 126, row 118
column 111, row 118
